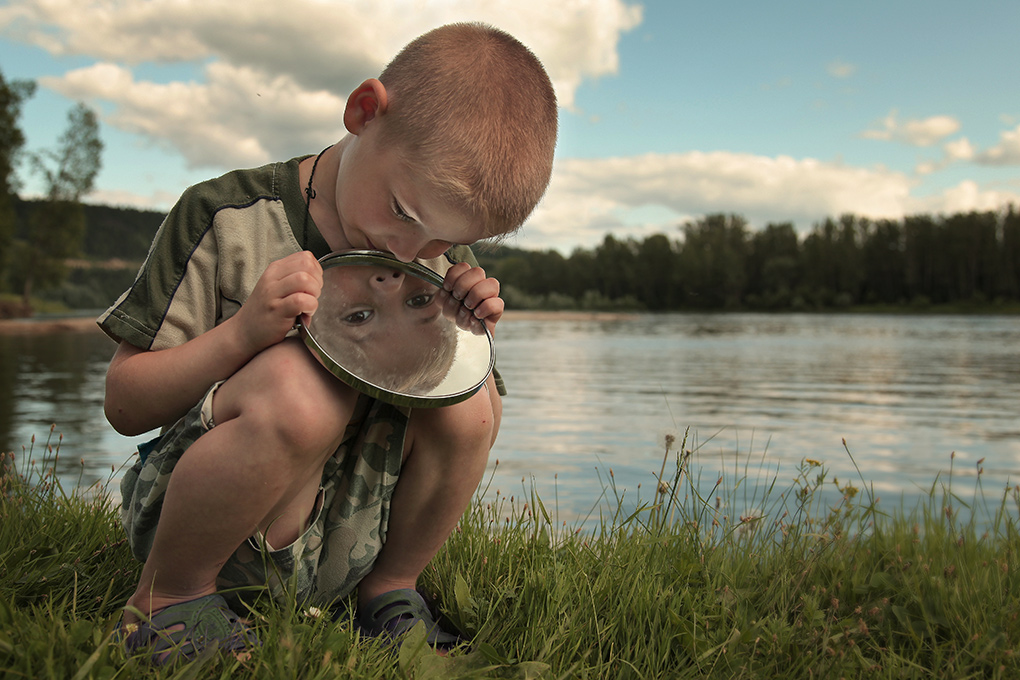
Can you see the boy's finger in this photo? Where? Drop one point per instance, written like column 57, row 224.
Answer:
column 297, row 304
column 303, row 261
column 481, row 291
column 299, row 282
column 465, row 282
column 490, row 311
column 454, row 273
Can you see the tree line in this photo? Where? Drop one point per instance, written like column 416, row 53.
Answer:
column 36, row 245
column 718, row 263
column 713, row 263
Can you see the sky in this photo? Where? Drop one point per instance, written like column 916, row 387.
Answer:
column 785, row 111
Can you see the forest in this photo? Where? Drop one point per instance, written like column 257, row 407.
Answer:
column 966, row 261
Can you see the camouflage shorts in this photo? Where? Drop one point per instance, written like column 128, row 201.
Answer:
column 345, row 533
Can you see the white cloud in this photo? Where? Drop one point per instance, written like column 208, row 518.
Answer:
column 840, row 69
column 953, row 151
column 967, row 196
column 588, row 198
column 237, row 118
column 917, row 132
column 1006, row 152
column 320, row 43
column 275, row 78
column 959, row 150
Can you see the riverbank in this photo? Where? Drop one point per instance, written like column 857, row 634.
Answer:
column 84, row 324
column 77, row 324
column 678, row 589
column 33, row 325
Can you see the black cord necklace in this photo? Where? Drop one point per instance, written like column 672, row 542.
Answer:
column 309, row 190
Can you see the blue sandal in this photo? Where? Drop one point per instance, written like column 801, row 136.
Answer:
column 393, row 614
column 182, row 631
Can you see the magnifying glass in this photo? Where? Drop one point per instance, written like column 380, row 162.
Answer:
column 387, row 329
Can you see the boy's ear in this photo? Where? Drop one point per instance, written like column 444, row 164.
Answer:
column 365, row 103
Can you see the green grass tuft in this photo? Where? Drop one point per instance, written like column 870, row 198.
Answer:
column 753, row 578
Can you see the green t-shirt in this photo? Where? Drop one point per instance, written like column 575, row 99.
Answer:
column 211, row 250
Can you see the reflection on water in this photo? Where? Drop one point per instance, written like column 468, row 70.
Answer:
column 589, row 396
column 58, row 378
column 905, row 393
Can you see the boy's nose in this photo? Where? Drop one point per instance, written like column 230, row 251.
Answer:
column 387, row 281
column 404, row 249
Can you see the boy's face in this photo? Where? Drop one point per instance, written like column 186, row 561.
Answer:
column 384, row 205
column 380, row 310
column 372, row 300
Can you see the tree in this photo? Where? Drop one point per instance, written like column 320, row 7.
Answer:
column 923, row 271
column 831, row 258
column 1009, row 266
column 658, row 282
column 58, row 225
column 884, row 262
column 12, row 139
column 713, row 262
column 773, row 265
column 972, row 239
column 616, row 266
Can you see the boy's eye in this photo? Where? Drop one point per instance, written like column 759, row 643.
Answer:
column 359, row 317
column 398, row 211
column 420, row 300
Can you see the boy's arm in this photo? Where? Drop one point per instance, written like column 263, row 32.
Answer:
column 149, row 389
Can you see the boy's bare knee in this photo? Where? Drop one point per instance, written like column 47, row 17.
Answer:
column 467, row 429
column 286, row 395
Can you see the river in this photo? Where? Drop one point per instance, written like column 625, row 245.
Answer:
column 754, row 394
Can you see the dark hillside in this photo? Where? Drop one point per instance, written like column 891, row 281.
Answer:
column 110, row 232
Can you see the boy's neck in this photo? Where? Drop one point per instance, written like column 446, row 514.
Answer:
column 322, row 208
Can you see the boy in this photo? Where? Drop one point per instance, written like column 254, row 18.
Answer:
column 268, row 469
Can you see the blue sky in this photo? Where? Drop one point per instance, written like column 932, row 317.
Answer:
column 782, row 111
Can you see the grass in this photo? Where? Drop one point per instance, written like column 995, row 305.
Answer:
column 809, row 580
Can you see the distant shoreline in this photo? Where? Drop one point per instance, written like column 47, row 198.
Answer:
column 566, row 315
column 33, row 326
column 87, row 324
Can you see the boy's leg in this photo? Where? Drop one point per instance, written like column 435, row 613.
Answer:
column 446, row 451
column 277, row 420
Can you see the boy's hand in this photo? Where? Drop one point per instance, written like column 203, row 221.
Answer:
column 287, row 289
column 476, row 292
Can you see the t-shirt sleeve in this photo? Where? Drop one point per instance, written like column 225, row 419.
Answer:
column 181, row 262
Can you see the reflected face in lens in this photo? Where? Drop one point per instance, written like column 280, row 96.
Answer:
column 377, row 302
column 384, row 325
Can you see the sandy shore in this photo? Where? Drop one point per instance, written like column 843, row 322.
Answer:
column 82, row 324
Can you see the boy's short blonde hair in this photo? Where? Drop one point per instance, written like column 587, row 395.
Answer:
column 474, row 110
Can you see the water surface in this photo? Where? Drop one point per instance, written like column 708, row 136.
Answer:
column 905, row 392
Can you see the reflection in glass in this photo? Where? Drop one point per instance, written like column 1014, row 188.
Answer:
column 389, row 329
